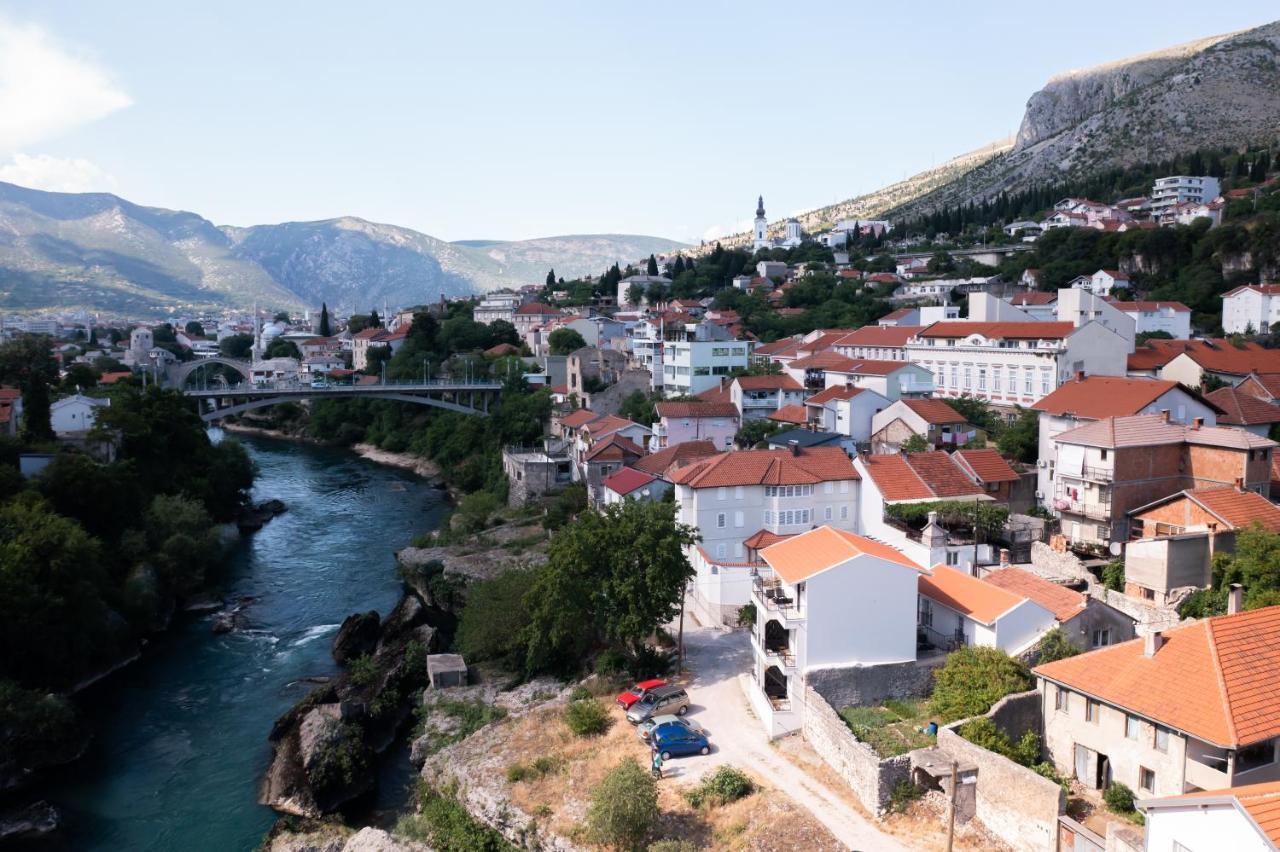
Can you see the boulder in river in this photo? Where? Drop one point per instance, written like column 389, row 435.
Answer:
column 32, row 822
column 357, row 636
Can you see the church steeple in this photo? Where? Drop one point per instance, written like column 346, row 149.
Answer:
column 760, row 206
column 760, row 237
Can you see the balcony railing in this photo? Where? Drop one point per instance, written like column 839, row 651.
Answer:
column 1095, row 511
column 1099, row 474
column 771, row 594
column 927, row 637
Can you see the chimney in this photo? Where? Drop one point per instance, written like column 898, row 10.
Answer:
column 1152, row 642
column 1197, row 423
column 1235, row 599
column 795, row 447
column 1004, row 557
column 848, row 386
column 1239, row 483
column 1079, row 375
column 1164, row 415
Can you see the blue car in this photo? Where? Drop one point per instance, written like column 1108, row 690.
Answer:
column 674, row 740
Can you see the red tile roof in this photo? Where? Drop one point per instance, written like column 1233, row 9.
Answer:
column 1242, row 409
column 873, row 367
column 578, row 418
column 112, row 378
column 986, row 465
column 785, row 345
column 1235, row 509
column 1095, row 397
column 1262, row 385
column 940, row 472
column 614, row 446
column 824, row 361
column 919, row 476
column 763, row 539
column 803, row 556
column 900, row 313
column 502, row 349
column 780, row 382
column 968, row 595
column 1033, row 297
column 1001, row 330
column 538, row 309
column 1215, row 679
column 627, row 480
column 793, row 413
column 934, row 411
column 675, row 457
column 1064, row 603
column 1260, row 801
column 1150, row 430
column 834, row 392
column 720, row 393
column 1216, row 355
column 696, row 409
column 887, row 336
column 1135, row 307
column 805, row 466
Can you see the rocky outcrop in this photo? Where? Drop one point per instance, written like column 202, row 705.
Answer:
column 330, row 837
column 33, row 822
column 255, row 517
column 357, row 636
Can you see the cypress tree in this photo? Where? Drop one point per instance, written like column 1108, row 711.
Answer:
column 551, row 278
column 325, row 330
column 652, row 268
column 374, row 320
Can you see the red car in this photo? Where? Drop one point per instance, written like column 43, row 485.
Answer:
column 628, row 697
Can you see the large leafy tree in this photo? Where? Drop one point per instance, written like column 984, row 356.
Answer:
column 565, row 340
column 1021, row 441
column 27, row 362
column 612, row 577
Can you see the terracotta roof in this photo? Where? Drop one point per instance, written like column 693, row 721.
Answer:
column 1265, row 289
column 720, row 393
column 1135, row 307
column 696, row 409
column 579, row 418
column 763, row 539
column 880, row 335
column 1001, row 330
column 801, row 557
column 883, row 278
column 900, row 312
column 824, row 361
column 1095, row 397
column 1260, row 801
column 606, row 423
column 785, row 345
column 781, row 382
column 986, row 465
column 627, row 480
column 834, row 392
column 872, row 367
column 1033, row 297
column 793, row 413
column 1149, row 430
column 826, row 338
column 919, row 476
column 934, row 411
column 502, row 349
column 675, row 457
column 768, row 467
column 1242, row 409
column 560, row 389
column 1214, row 679
column 1216, row 355
column 371, row 333
column 1236, row 509
column 1064, row 603
column 1267, row 385
column 112, row 378
column 970, row 596
column 614, row 446
column 539, row 309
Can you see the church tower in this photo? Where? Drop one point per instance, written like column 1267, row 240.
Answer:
column 761, row 238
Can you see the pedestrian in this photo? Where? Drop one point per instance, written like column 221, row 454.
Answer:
column 657, row 762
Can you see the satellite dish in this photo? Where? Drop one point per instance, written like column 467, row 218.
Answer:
column 1115, row 548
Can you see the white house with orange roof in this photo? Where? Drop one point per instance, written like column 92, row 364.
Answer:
column 729, row 497
column 1174, row 318
column 845, row 410
column 932, row 419
column 1187, row 709
column 958, row 609
column 1242, row 819
column 756, row 397
column 891, row 379
column 825, row 599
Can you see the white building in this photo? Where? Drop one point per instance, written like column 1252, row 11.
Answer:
column 1241, row 819
column 738, row 499
column 1171, row 317
column 760, row 235
column 756, row 397
column 277, row 371
column 1251, row 308
column 1168, row 192
column 846, row 410
column 891, row 379
column 75, row 413
column 1008, row 364
column 692, row 366
column 1102, row 282
column 644, row 282
column 957, row 609
column 498, row 305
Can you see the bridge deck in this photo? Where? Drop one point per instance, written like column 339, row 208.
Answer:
column 250, row 391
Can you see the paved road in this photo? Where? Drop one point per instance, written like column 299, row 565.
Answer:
column 718, row 659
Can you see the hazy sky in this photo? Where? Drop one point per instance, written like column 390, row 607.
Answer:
column 514, row 120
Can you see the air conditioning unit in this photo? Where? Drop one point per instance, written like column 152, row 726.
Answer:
column 1039, row 495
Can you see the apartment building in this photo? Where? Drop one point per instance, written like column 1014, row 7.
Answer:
column 680, row 422
column 877, row 342
column 1186, row 709
column 498, row 305
column 1251, row 308
column 1174, row 318
column 756, row 397
column 845, row 410
column 732, row 497
column 1008, row 364
column 1110, row 467
column 891, row 379
column 527, row 318
column 1169, row 192
column 690, row 367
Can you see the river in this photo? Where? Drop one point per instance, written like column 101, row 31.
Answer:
column 181, row 738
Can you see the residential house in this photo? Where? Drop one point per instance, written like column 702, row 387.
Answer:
column 10, row 411
column 497, row 305
column 644, row 282
column 731, row 496
column 362, row 341
column 1087, row 622
column 1264, row 386
column 1222, row 510
column 933, row 419
column 1243, row 819
column 1086, row 399
column 529, row 317
column 665, row 462
column 846, row 410
column 1193, row 362
column 690, row 367
column 1101, row 283
column 1185, row 709
column 1251, row 308
column 990, row 471
column 909, row 316
column 1169, row 192
column 321, row 365
column 1014, row 364
column 877, row 342
column 631, row 484
column 1245, row 411
column 1174, row 318
column 809, row 590
column 605, row 444
column 75, row 413
column 680, row 422
column 891, row 379
column 1035, row 304
column 1107, row 468
column 756, row 397
column 807, row 438
column 811, row 370
column 534, row 472
column 790, row 415
column 957, row 609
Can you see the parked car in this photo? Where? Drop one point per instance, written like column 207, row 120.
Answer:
column 661, row 701
column 630, row 696
column 676, row 741
column 645, row 729
column 319, row 383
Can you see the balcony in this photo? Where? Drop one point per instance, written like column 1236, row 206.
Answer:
column 773, row 598
column 1098, row 474
column 1092, row 510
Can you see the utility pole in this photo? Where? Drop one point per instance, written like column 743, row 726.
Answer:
column 951, row 807
column 680, row 634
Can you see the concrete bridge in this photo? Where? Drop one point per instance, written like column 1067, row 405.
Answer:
column 465, row 397
column 987, row 255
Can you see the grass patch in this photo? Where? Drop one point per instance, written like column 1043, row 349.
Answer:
column 890, row 728
column 470, row 716
column 726, row 785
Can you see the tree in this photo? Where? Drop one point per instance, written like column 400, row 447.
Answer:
column 652, row 267
column 565, row 340
column 635, row 293
column 281, row 348
column 941, row 262
column 79, row 376
column 1055, row 645
column 194, row 329
column 236, row 346
column 612, row 578
column 551, row 278
column 915, row 444
column 976, row 412
column 638, row 408
column 27, row 361
column 754, row 432
column 1021, row 441
column 281, row 316
column 972, row 679
column 374, row 320
column 325, row 329
column 495, row 616
column 624, row 807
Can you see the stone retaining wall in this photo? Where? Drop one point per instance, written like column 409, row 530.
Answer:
column 871, row 778
column 857, row 686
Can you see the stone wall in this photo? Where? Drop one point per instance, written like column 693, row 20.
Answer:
column 1060, row 563
column 609, row 400
column 871, row 778
column 1013, row 802
column 854, row 686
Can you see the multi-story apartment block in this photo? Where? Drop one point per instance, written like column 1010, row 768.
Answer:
column 680, row 422
column 1108, row 468
column 1173, row 318
column 1169, row 192
column 531, row 316
column 738, row 499
column 498, row 305
column 1014, row 363
column 756, row 397
column 690, row 367
column 1251, row 308
column 877, row 342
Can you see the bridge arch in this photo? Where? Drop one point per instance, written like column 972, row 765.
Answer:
column 180, row 371
column 264, row 402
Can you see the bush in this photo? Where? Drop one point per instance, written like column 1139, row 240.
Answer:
column 587, row 717
column 364, row 671
column 610, row 663
column 624, row 807
column 727, row 784
column 747, row 615
column 972, row 679
column 1113, row 575
column 1047, row 770
column 1055, row 645
column 672, row 846
column 904, row 793
column 445, row 825
column 983, row 732
column 518, row 772
column 540, row 768
column 1119, row 798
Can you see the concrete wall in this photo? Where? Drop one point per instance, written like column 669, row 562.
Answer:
column 864, row 612
column 1168, row 563
column 1014, row 803
column 871, row 778
column 853, row 686
column 609, row 400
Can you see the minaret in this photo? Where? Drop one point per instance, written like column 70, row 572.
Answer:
column 257, row 334
column 761, row 238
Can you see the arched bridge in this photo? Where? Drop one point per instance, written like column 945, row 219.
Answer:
column 466, row 397
column 178, row 372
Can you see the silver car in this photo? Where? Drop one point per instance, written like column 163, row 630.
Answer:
column 645, row 729
column 663, row 701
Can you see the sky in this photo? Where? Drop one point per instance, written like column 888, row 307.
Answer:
column 517, row 120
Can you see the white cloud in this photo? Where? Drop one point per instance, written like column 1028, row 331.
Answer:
column 55, row 174
column 46, row 90
column 716, row 232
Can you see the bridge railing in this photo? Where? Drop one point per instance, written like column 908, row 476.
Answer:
column 304, row 386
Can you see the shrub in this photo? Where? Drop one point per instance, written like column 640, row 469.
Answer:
column 624, row 807
column 1119, row 798
column 1047, row 770
column 747, row 615
column 364, row 671
column 518, row 772
column 648, row 662
column 983, row 732
column 727, row 784
column 580, row 693
column 904, row 793
column 587, row 717
column 972, row 679
column 611, row 662
column 1055, row 645
column 546, row 765
column 1113, row 575
column 672, row 846
column 443, row 823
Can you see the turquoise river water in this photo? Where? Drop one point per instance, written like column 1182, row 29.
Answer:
column 182, row 734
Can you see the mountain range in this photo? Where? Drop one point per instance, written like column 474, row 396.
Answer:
column 99, row 252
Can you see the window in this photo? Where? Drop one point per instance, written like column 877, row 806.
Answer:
column 844, row 513
column 828, row 488
column 720, row 552
column 1131, row 727
column 1092, row 711
column 722, row 493
column 955, row 382
column 1101, row 638
column 1026, row 382
column 982, row 378
column 995, row 381
column 1146, row 780
column 1160, row 740
column 737, row 492
column 827, row 513
column 768, row 517
column 968, row 382
column 844, row 486
column 953, row 557
column 1148, row 594
column 1061, row 700
column 1044, row 384
column 737, row 519
column 1104, row 455
column 721, row 520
